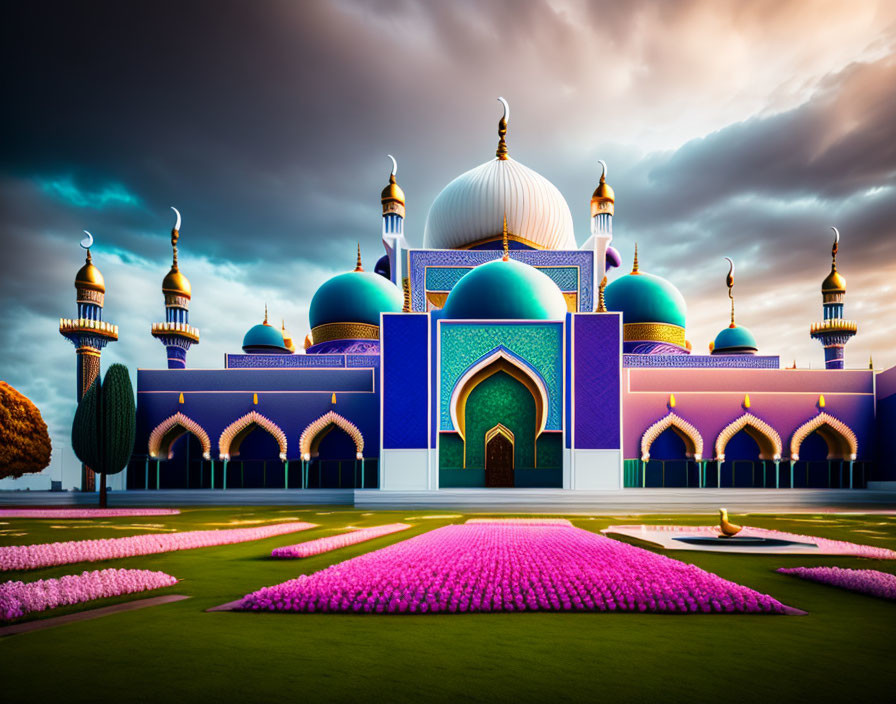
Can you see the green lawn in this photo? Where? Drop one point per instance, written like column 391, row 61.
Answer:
column 842, row 651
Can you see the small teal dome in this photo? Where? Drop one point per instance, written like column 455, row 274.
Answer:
column 505, row 290
column 645, row 298
column 264, row 338
column 735, row 340
column 354, row 297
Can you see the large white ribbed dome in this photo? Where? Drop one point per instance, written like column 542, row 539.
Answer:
column 472, row 207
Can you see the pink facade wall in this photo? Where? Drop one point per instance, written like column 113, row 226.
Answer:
column 710, row 399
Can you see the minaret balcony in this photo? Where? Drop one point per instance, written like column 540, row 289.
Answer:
column 833, row 325
column 177, row 329
column 100, row 328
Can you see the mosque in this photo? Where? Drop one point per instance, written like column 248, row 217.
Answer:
column 501, row 354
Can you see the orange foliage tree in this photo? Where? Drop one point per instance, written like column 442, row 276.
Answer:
column 24, row 440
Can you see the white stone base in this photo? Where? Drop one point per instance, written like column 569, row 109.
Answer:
column 596, row 470
column 404, row 470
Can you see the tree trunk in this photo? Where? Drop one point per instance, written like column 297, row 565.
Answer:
column 102, row 490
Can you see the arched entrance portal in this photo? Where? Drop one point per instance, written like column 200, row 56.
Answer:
column 332, row 450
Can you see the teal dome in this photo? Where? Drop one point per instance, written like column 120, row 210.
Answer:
column 736, row 340
column 505, row 290
column 354, row 297
column 264, row 337
column 645, row 298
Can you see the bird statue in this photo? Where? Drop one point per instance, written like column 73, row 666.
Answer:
column 728, row 529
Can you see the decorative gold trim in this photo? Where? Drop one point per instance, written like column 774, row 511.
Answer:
column 437, row 298
column 500, row 238
column 572, row 301
column 345, row 331
column 86, row 325
column 653, row 332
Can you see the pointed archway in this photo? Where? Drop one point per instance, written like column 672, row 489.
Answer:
column 766, row 437
column 236, row 432
column 693, row 441
column 839, row 437
column 315, row 431
column 164, row 435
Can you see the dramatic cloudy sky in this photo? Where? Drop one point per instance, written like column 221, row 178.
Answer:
column 736, row 128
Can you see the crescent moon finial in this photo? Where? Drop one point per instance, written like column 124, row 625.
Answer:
column 506, row 109
column 394, row 165
column 176, row 212
column 501, row 151
column 836, row 244
column 603, row 174
column 87, row 242
column 836, row 235
column 729, row 280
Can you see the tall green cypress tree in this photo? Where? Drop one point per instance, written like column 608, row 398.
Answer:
column 104, row 426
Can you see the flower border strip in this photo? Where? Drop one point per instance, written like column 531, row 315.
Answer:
column 85, row 512
column 17, row 599
column 334, row 542
column 30, row 557
column 871, row 582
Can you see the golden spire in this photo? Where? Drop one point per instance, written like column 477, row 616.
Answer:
column 601, row 302
column 729, row 281
column 358, row 266
column 834, row 282
column 603, row 198
column 870, row 362
column 635, row 263
column 504, row 239
column 501, row 151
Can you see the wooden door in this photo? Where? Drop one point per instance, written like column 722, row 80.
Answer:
column 499, row 462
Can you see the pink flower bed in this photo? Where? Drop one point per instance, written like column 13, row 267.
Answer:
column 507, row 567
column 871, row 582
column 829, row 547
column 334, row 542
column 19, row 598
column 29, row 557
column 521, row 521
column 84, row 512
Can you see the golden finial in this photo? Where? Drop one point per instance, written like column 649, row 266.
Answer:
column 601, row 301
column 265, row 315
column 870, row 362
column 180, row 399
column 836, row 246
column 746, row 400
column 821, row 401
column 358, row 266
column 729, row 281
column 501, row 151
column 671, row 400
column 254, row 399
column 175, row 233
column 504, row 239
column 635, row 263
column 333, row 398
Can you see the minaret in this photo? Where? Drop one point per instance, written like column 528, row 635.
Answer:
column 833, row 332
column 176, row 333
column 602, row 207
column 88, row 333
column 393, row 225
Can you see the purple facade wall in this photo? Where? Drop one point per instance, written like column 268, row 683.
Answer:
column 596, row 351
column 710, row 399
column 885, row 393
